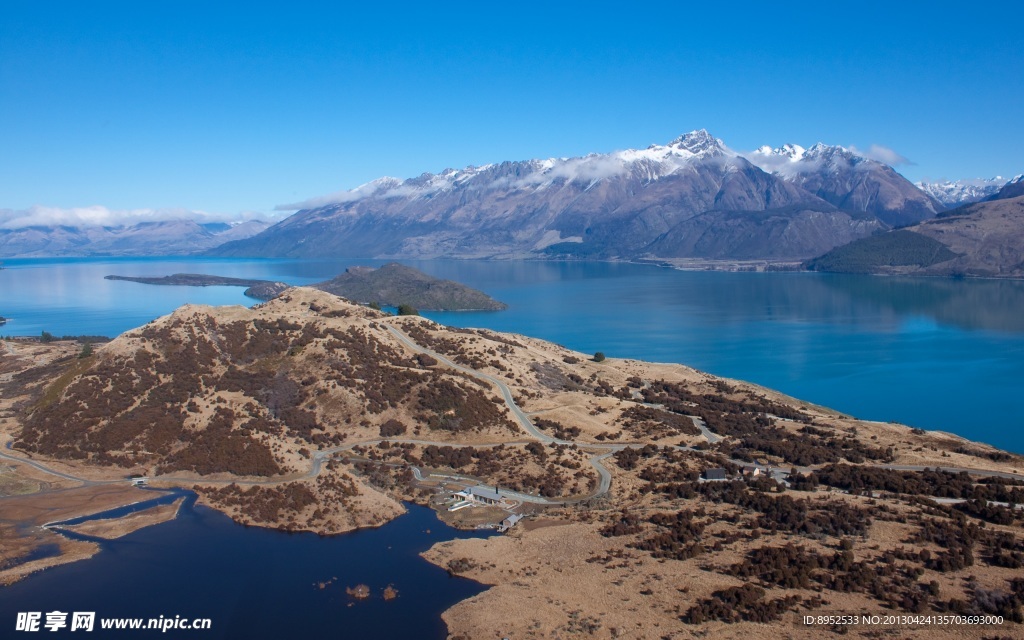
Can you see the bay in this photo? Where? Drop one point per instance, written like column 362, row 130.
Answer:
column 932, row 353
column 254, row 583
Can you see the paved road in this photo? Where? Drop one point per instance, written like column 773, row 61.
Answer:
column 523, row 418
column 45, row 469
column 960, row 500
column 506, row 393
column 711, row 437
column 974, row 472
column 602, row 471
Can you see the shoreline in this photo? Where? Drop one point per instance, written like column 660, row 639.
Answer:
column 720, row 265
column 75, row 503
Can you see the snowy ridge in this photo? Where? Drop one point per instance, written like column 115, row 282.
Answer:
column 954, row 193
column 690, row 197
column 792, row 152
column 791, row 160
column 843, row 177
column 650, row 164
column 850, row 179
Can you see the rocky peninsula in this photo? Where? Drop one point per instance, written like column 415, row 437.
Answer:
column 258, row 289
column 391, row 285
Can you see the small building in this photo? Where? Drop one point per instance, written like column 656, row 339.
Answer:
column 752, row 471
column 510, row 522
column 715, row 474
column 486, row 495
column 478, row 495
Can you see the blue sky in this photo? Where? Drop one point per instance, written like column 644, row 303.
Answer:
column 231, row 109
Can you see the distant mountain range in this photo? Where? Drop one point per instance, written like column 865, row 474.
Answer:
column 850, row 182
column 691, row 198
column 956, row 193
column 162, row 238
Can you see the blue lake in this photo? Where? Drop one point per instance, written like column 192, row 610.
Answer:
column 933, row 353
column 254, row 583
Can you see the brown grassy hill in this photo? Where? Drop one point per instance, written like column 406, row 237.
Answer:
column 988, row 238
column 985, row 239
column 242, row 391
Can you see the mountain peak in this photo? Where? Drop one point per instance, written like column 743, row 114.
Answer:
column 792, row 151
column 953, row 193
column 699, row 142
column 820, row 149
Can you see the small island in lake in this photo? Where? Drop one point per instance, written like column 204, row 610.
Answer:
column 394, row 284
column 259, row 289
column 390, row 285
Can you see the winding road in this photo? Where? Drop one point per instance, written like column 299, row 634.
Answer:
column 4, row 455
column 506, row 393
column 604, row 476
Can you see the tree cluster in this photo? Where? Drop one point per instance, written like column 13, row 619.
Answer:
column 745, row 603
column 648, row 422
column 263, row 504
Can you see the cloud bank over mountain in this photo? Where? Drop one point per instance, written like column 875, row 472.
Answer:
column 100, row 216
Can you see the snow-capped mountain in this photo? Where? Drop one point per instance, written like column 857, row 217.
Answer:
column 693, row 197
column 600, row 205
column 652, row 163
column 953, row 193
column 164, row 237
column 850, row 181
column 1012, row 189
column 766, row 157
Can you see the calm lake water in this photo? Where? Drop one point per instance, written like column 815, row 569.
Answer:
column 255, row 583
column 932, row 353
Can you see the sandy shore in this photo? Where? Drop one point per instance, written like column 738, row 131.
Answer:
column 112, row 528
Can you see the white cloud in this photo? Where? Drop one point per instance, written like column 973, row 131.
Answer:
column 882, row 154
column 100, row 216
column 588, row 168
column 380, row 186
column 767, row 160
column 786, row 164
